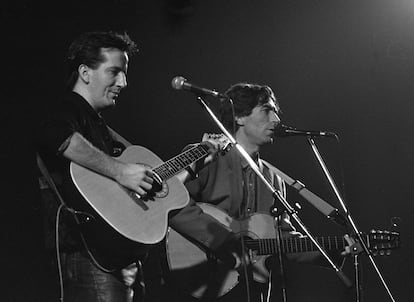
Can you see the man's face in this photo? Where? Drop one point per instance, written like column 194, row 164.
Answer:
column 107, row 81
column 259, row 126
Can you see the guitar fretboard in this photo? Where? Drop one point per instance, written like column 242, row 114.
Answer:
column 295, row 244
column 181, row 161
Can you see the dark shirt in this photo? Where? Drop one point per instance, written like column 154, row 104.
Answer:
column 74, row 114
column 249, row 202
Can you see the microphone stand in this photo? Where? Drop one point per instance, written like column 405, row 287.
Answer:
column 352, row 224
column 278, row 220
column 275, row 193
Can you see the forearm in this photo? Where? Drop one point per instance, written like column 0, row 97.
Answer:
column 79, row 150
column 184, row 176
column 203, row 228
column 188, row 174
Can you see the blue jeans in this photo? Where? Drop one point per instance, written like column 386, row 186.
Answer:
column 83, row 281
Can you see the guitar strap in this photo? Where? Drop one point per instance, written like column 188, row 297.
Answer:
column 261, row 168
column 275, row 179
column 116, row 136
column 50, row 182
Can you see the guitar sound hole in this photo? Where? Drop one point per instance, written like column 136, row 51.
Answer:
column 271, row 262
column 156, row 186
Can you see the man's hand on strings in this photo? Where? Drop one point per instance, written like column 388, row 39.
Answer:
column 232, row 254
column 136, row 177
column 353, row 246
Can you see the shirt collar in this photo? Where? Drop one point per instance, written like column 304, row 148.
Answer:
column 245, row 164
column 84, row 103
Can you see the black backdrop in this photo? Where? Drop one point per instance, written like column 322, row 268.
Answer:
column 343, row 66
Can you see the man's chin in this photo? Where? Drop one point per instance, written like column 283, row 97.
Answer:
column 109, row 104
column 112, row 102
column 267, row 141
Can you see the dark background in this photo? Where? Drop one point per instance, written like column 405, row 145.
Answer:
column 342, row 66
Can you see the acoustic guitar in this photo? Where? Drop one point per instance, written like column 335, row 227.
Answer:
column 198, row 273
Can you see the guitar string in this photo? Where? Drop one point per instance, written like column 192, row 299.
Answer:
column 267, row 246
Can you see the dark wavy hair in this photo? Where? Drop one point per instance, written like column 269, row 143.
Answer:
column 87, row 49
column 245, row 97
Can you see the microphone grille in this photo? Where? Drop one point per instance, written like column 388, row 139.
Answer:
column 282, row 130
column 178, row 82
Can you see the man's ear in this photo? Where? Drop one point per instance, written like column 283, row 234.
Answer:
column 84, row 73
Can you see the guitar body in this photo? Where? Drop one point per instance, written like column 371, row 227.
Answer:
column 202, row 276
column 142, row 220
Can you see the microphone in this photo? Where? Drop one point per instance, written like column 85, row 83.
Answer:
column 284, row 131
column 181, row 83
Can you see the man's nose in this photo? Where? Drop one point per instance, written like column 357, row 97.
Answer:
column 121, row 80
column 274, row 117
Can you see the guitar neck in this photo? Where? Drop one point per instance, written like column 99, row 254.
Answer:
column 176, row 164
column 295, row 244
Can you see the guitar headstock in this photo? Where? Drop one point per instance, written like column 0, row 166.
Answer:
column 382, row 242
column 221, row 140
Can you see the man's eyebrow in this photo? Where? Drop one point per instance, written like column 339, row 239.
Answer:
column 274, row 108
column 117, row 68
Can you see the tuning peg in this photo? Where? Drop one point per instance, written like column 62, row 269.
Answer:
column 395, row 222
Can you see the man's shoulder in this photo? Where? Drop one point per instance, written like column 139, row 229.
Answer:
column 66, row 103
column 72, row 107
column 74, row 102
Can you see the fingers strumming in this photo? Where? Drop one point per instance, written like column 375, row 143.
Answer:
column 148, row 179
column 149, row 172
